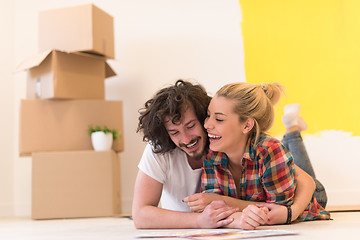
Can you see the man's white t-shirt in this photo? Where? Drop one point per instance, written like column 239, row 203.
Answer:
column 174, row 172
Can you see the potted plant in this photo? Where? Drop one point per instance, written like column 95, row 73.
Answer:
column 102, row 137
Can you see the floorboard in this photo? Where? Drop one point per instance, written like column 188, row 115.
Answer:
column 345, row 225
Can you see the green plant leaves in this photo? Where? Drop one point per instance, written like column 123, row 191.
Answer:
column 116, row 134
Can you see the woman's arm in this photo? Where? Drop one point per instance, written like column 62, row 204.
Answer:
column 305, row 187
column 279, row 184
column 277, row 213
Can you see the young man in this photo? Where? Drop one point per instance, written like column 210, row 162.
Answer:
column 170, row 168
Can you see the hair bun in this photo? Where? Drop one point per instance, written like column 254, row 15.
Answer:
column 273, row 91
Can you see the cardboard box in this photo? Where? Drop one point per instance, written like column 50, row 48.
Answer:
column 61, row 125
column 75, row 184
column 60, row 75
column 84, row 28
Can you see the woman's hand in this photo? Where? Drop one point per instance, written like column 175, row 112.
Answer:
column 198, row 201
column 277, row 213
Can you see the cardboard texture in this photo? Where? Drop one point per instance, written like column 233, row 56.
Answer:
column 75, row 184
column 84, row 28
column 61, row 125
column 60, row 75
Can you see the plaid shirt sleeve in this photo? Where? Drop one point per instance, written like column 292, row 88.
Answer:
column 278, row 174
column 209, row 183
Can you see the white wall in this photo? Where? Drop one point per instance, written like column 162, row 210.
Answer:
column 156, row 43
column 7, row 141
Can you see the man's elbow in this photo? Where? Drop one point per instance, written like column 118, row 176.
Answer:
column 140, row 221
column 137, row 219
column 138, row 224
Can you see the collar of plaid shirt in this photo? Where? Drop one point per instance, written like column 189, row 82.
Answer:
column 220, row 158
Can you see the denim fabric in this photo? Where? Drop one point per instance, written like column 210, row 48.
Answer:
column 294, row 142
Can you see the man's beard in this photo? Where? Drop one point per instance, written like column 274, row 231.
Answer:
column 197, row 156
column 198, row 153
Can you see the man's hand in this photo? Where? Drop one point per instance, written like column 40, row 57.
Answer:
column 277, row 213
column 198, row 201
column 215, row 215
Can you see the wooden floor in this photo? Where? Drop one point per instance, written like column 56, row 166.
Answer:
column 345, row 225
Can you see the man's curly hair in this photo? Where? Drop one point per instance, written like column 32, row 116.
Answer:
column 169, row 102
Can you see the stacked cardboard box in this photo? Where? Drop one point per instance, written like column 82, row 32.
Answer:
column 66, row 94
column 75, row 184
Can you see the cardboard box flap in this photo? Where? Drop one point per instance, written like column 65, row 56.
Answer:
column 33, row 61
column 109, row 72
column 36, row 61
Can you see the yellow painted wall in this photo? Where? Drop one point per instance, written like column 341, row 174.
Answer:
column 313, row 48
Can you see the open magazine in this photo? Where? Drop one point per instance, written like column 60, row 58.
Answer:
column 225, row 234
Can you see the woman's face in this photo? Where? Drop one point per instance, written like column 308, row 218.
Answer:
column 225, row 131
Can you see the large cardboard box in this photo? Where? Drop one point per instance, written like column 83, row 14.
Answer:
column 60, row 75
column 61, row 125
column 84, row 28
column 75, row 184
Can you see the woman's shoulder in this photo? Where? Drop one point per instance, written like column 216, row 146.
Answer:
column 266, row 141
column 272, row 151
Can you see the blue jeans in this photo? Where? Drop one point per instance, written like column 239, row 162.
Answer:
column 294, row 142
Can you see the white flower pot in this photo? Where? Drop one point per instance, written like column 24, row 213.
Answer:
column 101, row 141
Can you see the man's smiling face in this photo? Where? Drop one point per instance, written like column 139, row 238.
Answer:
column 188, row 133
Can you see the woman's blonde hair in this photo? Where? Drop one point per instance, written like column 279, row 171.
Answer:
column 254, row 101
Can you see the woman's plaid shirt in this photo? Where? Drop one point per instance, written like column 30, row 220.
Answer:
column 268, row 175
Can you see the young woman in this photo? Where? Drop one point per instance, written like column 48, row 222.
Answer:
column 243, row 161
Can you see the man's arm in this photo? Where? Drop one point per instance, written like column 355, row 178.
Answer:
column 198, row 201
column 147, row 214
